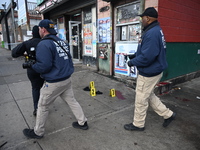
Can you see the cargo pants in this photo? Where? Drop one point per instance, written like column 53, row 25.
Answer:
column 144, row 97
column 49, row 92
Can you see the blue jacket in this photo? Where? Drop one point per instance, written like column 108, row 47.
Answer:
column 150, row 57
column 52, row 62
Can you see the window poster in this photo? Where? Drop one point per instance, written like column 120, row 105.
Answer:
column 123, row 49
column 124, row 33
column 61, row 34
column 104, row 30
column 87, row 29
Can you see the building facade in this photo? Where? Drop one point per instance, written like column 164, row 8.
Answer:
column 17, row 23
column 101, row 33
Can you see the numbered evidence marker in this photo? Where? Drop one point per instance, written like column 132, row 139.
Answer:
column 92, row 84
column 112, row 93
column 93, row 91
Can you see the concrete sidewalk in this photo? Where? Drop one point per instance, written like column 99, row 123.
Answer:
column 106, row 115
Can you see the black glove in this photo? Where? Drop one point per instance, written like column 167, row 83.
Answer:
column 131, row 56
column 129, row 64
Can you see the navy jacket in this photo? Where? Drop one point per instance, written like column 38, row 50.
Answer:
column 52, row 62
column 150, row 57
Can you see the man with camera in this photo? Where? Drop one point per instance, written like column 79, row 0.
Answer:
column 54, row 63
column 27, row 49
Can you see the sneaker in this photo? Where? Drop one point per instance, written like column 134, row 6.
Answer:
column 131, row 127
column 35, row 112
column 83, row 127
column 31, row 134
column 169, row 120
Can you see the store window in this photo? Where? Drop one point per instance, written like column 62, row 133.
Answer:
column 128, row 32
column 128, row 27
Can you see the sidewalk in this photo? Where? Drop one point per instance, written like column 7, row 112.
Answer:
column 106, row 115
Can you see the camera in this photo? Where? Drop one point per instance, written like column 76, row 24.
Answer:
column 28, row 64
column 29, row 58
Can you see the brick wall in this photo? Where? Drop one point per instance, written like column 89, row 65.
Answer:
column 179, row 20
column 99, row 6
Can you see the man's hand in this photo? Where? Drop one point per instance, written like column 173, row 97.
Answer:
column 129, row 63
column 132, row 56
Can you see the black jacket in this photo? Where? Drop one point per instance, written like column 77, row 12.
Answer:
column 25, row 47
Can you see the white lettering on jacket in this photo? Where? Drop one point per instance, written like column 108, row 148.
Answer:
column 60, row 51
column 163, row 39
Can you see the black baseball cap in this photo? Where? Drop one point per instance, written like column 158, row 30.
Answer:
column 48, row 25
column 151, row 12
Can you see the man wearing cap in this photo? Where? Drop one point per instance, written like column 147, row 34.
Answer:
column 150, row 61
column 55, row 66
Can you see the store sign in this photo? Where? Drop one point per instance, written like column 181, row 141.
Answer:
column 48, row 4
column 87, row 17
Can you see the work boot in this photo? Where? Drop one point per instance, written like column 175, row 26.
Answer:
column 131, row 127
column 169, row 120
column 83, row 127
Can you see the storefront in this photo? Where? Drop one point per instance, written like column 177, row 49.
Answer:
column 127, row 33
column 119, row 30
column 76, row 24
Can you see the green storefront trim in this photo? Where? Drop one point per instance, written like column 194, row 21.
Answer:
column 182, row 58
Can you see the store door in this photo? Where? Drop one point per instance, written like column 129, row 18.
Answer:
column 75, row 39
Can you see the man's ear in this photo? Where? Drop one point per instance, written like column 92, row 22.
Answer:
column 148, row 19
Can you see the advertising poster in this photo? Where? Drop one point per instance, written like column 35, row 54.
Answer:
column 104, row 30
column 61, row 34
column 123, row 49
column 88, row 38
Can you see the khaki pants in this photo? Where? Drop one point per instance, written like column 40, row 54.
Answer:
column 144, row 97
column 49, row 92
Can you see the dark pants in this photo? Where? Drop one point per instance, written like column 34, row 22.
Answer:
column 36, row 83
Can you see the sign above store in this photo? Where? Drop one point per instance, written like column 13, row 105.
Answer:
column 47, row 4
column 108, row 0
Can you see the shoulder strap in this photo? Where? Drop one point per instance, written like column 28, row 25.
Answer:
column 58, row 44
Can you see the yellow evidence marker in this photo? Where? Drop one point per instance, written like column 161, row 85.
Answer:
column 93, row 91
column 112, row 93
column 92, row 84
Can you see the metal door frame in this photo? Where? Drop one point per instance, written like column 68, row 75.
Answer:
column 72, row 24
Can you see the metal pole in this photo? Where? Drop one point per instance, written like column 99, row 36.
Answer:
column 13, row 20
column 27, row 16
